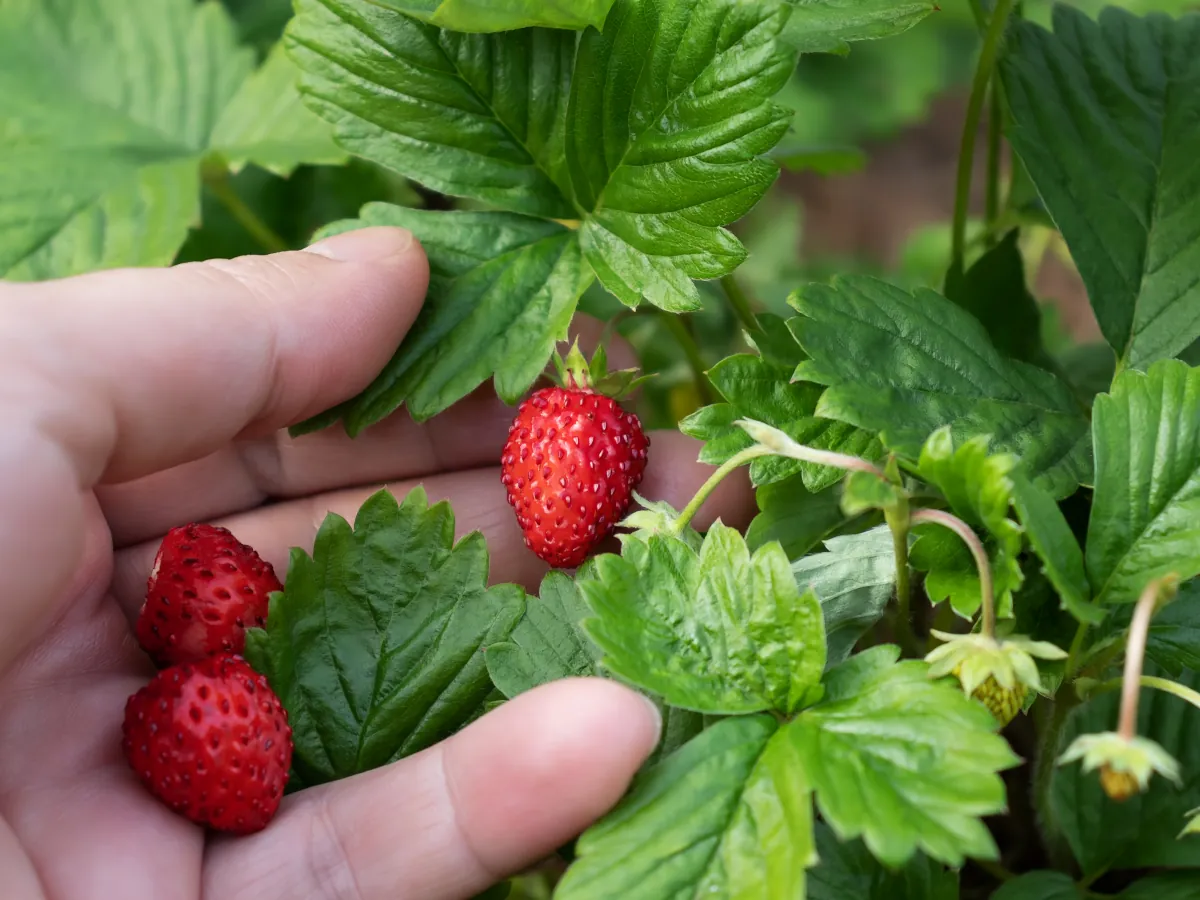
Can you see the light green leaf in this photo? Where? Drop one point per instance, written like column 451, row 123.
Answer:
column 504, row 15
column 502, row 292
column 1141, row 832
column 1146, row 512
column 906, row 364
column 1044, row 885
column 854, row 581
column 728, row 815
column 847, row 871
column 719, row 631
column 790, row 514
column 1106, row 117
column 1052, row 540
column 950, row 572
column 901, row 760
column 477, row 116
column 758, row 389
column 104, row 118
column 266, row 124
column 826, row 26
column 375, row 645
column 866, row 491
column 669, row 116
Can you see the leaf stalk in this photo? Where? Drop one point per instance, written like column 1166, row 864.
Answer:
column 1153, row 596
column 739, row 301
column 217, row 180
column 978, row 551
column 691, row 352
column 706, row 489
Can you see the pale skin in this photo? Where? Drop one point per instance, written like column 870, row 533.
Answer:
column 137, row 400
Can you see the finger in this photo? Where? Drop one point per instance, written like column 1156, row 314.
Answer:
column 479, row 502
column 132, row 371
column 449, row 822
column 244, row 474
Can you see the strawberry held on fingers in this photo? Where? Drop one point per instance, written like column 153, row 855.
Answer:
column 205, row 590
column 572, row 460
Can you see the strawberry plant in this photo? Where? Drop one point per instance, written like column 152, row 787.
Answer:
column 954, row 655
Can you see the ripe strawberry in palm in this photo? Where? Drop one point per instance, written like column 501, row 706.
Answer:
column 205, row 590
column 573, row 459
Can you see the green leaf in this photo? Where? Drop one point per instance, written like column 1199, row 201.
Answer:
column 1106, row 117
column 906, row 364
column 105, row 117
column 728, row 815
column 761, row 389
column 1139, row 833
column 1052, row 540
column 504, row 15
column 951, row 574
column 994, row 291
column 719, row 631
column 669, row 116
column 790, row 514
column 1164, row 886
column 477, row 116
column 502, row 292
column 854, row 581
column 1146, row 512
column 866, row 491
column 548, row 643
column 1043, row 885
column 374, row 646
column 1089, row 367
column 826, row 26
column 903, row 761
column 847, row 871
column 1174, row 638
column 266, row 124
column 796, row 156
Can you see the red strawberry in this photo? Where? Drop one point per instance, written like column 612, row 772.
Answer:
column 205, row 589
column 212, row 741
column 570, row 465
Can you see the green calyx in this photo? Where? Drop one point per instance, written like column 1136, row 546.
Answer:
column 974, row 658
column 1136, row 757
column 576, row 372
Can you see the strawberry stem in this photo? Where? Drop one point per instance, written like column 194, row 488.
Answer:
column 778, row 443
column 1156, row 593
column 978, row 551
column 706, row 489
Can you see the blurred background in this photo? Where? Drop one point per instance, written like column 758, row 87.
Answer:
column 868, row 186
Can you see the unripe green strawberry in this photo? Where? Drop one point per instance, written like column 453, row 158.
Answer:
column 1119, row 786
column 1004, row 703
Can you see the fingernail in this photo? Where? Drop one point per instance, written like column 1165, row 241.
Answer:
column 657, row 718
column 365, row 244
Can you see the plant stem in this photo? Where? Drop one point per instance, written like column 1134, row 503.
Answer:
column 995, row 869
column 978, row 551
column 1151, row 681
column 740, row 303
column 691, row 351
column 1043, row 770
column 1135, row 654
column 1073, row 660
column 778, row 443
column 740, row 459
column 216, row 179
column 992, row 199
column 898, row 522
column 966, row 155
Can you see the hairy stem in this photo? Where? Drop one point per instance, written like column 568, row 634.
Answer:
column 691, row 350
column 1074, row 654
column 966, row 155
column 992, row 198
column 1135, row 654
column 216, row 179
column 978, row 551
column 740, row 303
column 1043, row 772
column 778, row 443
column 706, row 489
column 898, row 523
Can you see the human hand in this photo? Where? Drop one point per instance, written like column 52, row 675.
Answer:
column 134, row 401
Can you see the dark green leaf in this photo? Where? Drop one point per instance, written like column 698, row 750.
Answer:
column 791, row 514
column 477, row 116
column 1052, row 540
column 719, row 631
column 1106, row 117
column 1038, row 886
column 854, row 581
column 760, row 389
column 1174, row 639
column 1164, row 886
column 797, row 157
column 1089, row 367
column 105, row 116
column 994, row 291
column 847, row 871
column 901, row 760
column 1146, row 513
column 502, row 293
column 728, row 815
column 826, row 26
column 504, row 15
column 375, row 645
column 906, row 364
column 670, row 112
column 1139, row 833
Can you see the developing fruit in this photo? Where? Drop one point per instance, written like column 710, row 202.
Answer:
column 206, row 588
column 571, row 463
column 211, row 741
